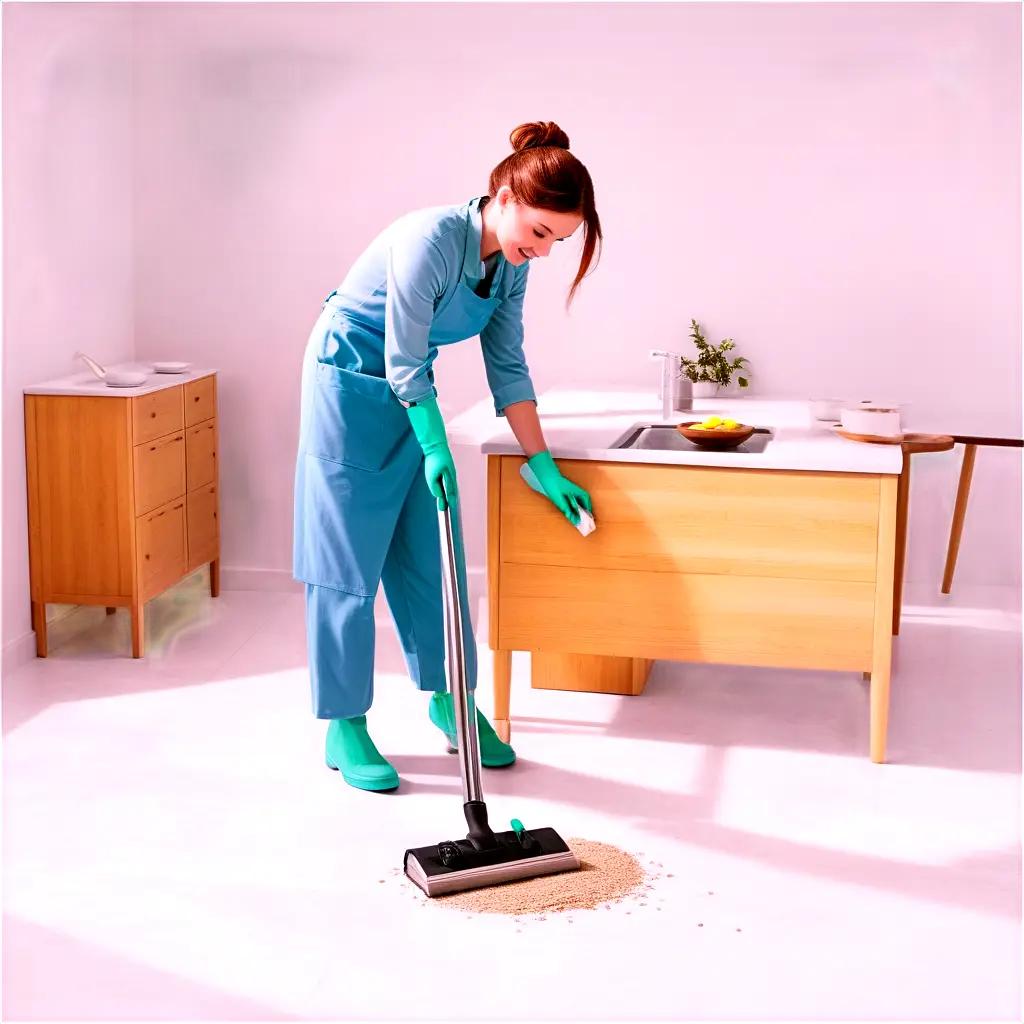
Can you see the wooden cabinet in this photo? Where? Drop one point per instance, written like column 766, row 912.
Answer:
column 691, row 563
column 122, row 496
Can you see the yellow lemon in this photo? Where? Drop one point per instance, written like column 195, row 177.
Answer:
column 730, row 425
column 712, row 421
column 695, row 426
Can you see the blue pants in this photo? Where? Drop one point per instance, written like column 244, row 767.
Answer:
column 340, row 626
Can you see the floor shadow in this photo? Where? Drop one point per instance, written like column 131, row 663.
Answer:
column 987, row 883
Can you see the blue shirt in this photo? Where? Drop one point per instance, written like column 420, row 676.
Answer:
column 414, row 289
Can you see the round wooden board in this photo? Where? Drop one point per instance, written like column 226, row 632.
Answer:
column 868, row 438
column 909, row 441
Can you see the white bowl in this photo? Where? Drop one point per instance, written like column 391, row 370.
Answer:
column 828, row 409
column 124, row 379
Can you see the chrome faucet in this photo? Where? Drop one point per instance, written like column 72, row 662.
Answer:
column 669, row 375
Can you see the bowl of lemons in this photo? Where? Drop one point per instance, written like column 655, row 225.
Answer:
column 715, row 432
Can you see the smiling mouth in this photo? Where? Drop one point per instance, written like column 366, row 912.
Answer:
column 525, row 255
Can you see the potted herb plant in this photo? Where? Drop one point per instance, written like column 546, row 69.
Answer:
column 712, row 368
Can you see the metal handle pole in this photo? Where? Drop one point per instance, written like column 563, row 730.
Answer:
column 465, row 712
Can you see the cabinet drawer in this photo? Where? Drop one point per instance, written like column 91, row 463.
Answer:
column 203, row 532
column 156, row 414
column 201, row 454
column 699, row 519
column 698, row 617
column 200, row 400
column 160, row 540
column 159, row 472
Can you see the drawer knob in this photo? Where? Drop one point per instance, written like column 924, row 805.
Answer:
column 147, row 558
column 196, row 398
column 152, row 415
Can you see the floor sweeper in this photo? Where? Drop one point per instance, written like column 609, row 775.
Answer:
column 484, row 857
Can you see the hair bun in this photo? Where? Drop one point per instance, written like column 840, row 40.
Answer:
column 538, row 133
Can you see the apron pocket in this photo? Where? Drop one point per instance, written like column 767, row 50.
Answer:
column 356, row 421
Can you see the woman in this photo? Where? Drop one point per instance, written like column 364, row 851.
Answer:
column 373, row 453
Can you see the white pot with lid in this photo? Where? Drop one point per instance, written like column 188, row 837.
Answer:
column 878, row 419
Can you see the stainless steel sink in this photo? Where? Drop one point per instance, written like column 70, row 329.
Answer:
column 664, row 437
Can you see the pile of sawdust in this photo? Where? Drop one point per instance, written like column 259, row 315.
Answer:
column 607, row 874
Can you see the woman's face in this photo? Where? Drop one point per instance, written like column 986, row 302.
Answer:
column 526, row 232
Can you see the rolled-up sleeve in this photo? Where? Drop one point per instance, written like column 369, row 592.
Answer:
column 501, row 342
column 416, row 277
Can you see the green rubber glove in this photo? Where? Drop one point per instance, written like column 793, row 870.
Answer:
column 562, row 492
column 438, row 464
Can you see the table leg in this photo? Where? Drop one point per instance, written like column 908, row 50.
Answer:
column 215, row 578
column 879, row 700
column 881, row 648
column 902, row 518
column 963, row 490
column 502, row 694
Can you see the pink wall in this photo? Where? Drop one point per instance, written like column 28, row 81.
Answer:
column 69, row 271
column 836, row 187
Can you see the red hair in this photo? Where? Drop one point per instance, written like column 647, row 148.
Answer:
column 542, row 173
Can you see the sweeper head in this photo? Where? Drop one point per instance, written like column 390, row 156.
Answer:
column 488, row 858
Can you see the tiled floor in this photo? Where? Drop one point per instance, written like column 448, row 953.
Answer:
column 174, row 847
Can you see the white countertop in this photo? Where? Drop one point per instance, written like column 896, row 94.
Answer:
column 583, row 424
column 85, row 383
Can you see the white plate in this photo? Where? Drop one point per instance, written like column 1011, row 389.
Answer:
column 171, row 367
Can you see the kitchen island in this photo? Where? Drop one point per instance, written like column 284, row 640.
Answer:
column 782, row 557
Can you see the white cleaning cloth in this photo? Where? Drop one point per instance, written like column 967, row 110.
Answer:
column 586, row 525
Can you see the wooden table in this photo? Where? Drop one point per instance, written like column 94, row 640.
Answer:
column 970, row 443
column 697, row 563
column 917, row 443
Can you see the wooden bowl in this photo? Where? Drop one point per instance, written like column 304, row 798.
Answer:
column 718, row 438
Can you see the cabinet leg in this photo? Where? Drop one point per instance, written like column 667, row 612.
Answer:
column 902, row 518
column 215, row 578
column 866, row 676
column 502, row 694
column 39, row 625
column 138, row 628
column 963, row 490
column 110, row 611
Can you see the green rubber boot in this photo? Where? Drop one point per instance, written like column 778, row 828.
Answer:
column 351, row 751
column 494, row 753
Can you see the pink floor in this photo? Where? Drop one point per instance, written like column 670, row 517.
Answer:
column 174, row 847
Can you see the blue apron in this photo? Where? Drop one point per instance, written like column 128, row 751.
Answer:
column 363, row 512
